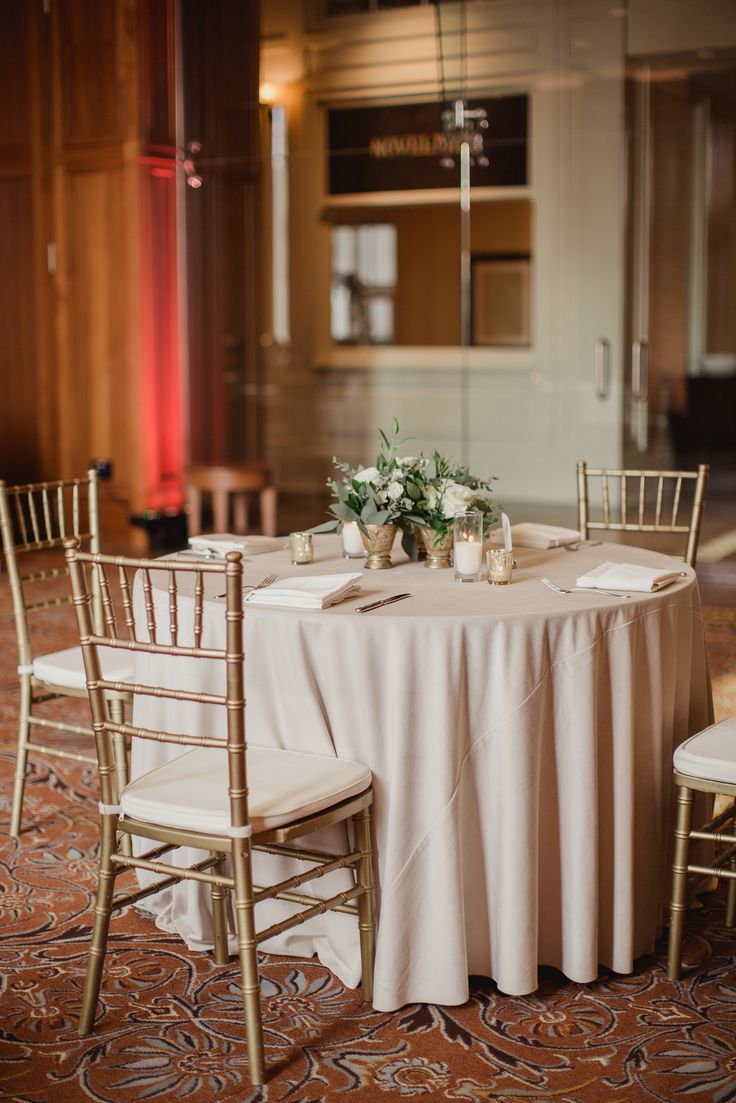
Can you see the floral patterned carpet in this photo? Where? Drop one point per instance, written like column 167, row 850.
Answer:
column 171, row 1023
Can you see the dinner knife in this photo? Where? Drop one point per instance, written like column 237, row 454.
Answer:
column 378, row 604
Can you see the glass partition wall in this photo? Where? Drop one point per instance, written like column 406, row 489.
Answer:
column 455, row 220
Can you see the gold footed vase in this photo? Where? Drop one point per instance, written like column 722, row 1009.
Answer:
column 438, row 548
column 378, row 541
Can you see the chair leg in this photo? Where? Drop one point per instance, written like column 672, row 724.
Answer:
column 366, row 920
column 195, row 511
column 98, row 946
column 240, row 513
column 731, row 897
column 116, row 709
column 219, row 897
column 21, row 760
column 247, row 951
column 220, row 510
column 268, row 511
column 679, row 880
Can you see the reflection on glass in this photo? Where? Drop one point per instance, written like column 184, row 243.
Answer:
column 398, row 282
column 363, row 284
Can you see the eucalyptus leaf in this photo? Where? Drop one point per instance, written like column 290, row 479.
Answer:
column 343, row 511
column 327, row 526
column 409, row 544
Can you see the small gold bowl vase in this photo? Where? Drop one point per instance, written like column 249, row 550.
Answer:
column 438, row 548
column 378, row 541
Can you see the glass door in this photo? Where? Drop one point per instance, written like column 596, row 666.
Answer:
column 681, row 384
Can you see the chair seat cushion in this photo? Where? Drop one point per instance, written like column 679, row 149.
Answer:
column 711, row 754
column 191, row 791
column 66, row 668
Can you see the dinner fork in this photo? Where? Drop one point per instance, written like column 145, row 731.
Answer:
column 578, row 589
column 268, row 580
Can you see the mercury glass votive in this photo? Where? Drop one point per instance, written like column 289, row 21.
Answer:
column 300, row 546
column 467, row 548
column 352, row 541
column 500, row 565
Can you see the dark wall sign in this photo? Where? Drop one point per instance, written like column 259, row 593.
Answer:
column 373, row 149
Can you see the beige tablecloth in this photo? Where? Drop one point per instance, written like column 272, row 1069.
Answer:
column 520, row 742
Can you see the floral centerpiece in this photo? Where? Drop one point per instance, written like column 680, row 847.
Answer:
column 418, row 495
column 448, row 488
column 380, row 495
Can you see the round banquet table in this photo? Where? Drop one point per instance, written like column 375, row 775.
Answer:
column 521, row 746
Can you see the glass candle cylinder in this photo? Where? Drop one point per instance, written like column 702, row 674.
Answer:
column 500, row 564
column 300, row 546
column 352, row 541
column 467, row 548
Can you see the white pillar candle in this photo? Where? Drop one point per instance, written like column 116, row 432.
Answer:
column 468, row 556
column 352, row 541
column 506, row 527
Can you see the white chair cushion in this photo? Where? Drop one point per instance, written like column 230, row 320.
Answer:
column 191, row 791
column 711, row 754
column 66, row 668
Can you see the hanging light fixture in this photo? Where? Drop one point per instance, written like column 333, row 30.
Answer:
column 462, row 126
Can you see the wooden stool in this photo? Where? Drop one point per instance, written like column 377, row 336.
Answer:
column 237, row 481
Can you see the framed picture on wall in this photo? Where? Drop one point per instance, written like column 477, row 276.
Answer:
column 499, row 311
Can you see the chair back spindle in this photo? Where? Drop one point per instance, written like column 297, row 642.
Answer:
column 648, row 501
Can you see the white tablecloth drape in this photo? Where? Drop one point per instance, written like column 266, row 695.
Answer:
column 520, row 743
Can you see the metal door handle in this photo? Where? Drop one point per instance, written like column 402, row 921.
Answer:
column 602, row 366
column 640, row 370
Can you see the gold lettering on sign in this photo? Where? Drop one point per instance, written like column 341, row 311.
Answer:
column 434, row 144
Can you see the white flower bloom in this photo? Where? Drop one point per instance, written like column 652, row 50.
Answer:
column 406, row 461
column 394, row 491
column 455, row 499
column 432, row 496
column 366, row 475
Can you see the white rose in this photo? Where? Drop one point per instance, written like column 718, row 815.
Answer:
column 455, row 499
column 395, row 490
column 366, row 475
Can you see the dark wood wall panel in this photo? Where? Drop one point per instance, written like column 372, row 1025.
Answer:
column 25, row 410
column 21, row 399
column 15, row 50
column 93, row 364
column 220, row 44
column 88, row 72
column 157, row 54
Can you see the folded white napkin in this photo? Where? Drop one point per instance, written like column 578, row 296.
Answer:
column 627, row 576
column 316, row 591
column 527, row 534
column 220, row 543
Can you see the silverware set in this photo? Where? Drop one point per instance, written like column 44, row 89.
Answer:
column 268, row 580
column 378, row 604
column 579, row 589
column 578, row 544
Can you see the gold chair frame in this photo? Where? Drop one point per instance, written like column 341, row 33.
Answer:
column 666, row 512
column 38, row 517
column 241, row 842
column 687, row 786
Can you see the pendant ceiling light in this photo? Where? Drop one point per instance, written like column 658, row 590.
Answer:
column 462, row 126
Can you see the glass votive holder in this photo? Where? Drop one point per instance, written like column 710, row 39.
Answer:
column 300, row 546
column 500, row 565
column 352, row 541
column 467, row 548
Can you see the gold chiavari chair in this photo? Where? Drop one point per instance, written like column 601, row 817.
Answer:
column 222, row 796
column 704, row 763
column 643, row 501
column 37, row 518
